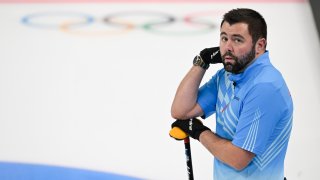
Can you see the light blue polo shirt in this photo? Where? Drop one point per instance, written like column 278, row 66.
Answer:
column 253, row 110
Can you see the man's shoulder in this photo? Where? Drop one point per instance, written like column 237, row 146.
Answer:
column 269, row 75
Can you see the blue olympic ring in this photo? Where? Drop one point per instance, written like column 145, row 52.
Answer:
column 31, row 20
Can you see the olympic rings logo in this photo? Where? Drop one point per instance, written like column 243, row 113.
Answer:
column 125, row 21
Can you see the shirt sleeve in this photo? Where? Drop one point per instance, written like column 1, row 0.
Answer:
column 260, row 113
column 207, row 96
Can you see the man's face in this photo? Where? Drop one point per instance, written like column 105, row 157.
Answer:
column 236, row 47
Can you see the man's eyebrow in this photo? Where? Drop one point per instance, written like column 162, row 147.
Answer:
column 238, row 35
column 223, row 33
column 234, row 35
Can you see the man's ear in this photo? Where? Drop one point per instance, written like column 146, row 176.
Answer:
column 261, row 45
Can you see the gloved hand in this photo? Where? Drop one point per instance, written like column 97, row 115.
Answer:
column 211, row 55
column 192, row 127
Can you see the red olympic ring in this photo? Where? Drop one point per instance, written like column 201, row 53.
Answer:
column 124, row 21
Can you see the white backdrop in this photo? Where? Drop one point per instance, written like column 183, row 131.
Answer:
column 102, row 101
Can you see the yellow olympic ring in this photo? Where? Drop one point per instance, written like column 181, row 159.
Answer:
column 86, row 31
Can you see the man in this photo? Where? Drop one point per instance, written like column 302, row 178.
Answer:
column 251, row 100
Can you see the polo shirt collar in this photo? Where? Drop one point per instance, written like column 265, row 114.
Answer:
column 250, row 70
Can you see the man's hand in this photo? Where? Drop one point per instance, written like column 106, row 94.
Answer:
column 211, row 55
column 193, row 127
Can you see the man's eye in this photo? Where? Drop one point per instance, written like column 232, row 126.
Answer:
column 224, row 39
column 237, row 40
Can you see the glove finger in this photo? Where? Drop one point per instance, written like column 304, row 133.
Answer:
column 205, row 53
column 196, row 120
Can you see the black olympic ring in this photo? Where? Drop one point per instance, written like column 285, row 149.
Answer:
column 120, row 22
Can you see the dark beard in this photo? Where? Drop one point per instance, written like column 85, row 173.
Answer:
column 240, row 63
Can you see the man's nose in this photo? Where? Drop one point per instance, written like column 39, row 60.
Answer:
column 228, row 46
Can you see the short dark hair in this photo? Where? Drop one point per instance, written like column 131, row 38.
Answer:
column 257, row 26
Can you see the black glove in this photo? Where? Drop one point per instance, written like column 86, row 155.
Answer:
column 193, row 127
column 211, row 55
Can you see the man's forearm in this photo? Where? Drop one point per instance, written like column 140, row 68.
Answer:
column 184, row 103
column 225, row 151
